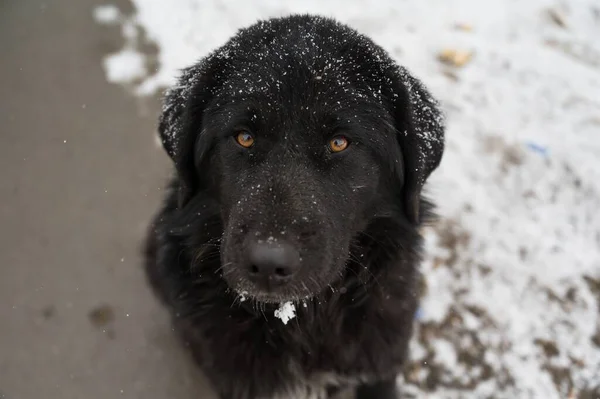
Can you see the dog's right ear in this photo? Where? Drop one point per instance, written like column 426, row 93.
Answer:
column 181, row 123
column 420, row 130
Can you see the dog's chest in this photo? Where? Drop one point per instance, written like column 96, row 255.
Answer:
column 300, row 360
column 315, row 386
column 303, row 383
column 301, row 392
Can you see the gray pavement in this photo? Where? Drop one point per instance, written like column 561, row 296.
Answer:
column 80, row 176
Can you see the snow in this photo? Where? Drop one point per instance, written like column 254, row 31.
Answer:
column 243, row 296
column 106, row 14
column 445, row 353
column 286, row 312
column 511, row 307
column 125, row 66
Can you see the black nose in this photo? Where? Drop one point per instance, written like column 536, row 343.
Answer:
column 273, row 262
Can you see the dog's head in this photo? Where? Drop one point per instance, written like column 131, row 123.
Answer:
column 304, row 132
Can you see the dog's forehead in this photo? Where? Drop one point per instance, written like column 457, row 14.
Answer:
column 296, row 89
column 317, row 57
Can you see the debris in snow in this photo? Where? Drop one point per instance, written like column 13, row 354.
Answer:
column 450, row 74
column 456, row 58
column 286, row 312
column 557, row 17
column 464, row 27
column 419, row 314
column 538, row 148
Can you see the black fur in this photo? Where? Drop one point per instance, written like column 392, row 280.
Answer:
column 353, row 217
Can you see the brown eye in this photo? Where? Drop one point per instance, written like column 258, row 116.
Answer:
column 244, row 139
column 338, row 144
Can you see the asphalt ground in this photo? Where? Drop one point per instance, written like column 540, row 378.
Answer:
column 80, row 176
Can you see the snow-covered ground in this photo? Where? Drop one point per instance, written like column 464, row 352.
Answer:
column 512, row 291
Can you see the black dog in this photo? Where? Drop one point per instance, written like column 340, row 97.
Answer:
column 301, row 150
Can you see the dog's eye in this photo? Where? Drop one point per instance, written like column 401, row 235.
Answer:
column 244, row 139
column 338, row 144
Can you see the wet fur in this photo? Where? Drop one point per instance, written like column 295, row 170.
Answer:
column 353, row 325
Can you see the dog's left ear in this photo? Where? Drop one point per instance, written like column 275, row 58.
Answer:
column 420, row 129
column 180, row 123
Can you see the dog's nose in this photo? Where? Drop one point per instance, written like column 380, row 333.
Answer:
column 273, row 262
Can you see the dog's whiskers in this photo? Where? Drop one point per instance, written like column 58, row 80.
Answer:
column 222, row 266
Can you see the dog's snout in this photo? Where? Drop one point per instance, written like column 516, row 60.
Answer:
column 272, row 263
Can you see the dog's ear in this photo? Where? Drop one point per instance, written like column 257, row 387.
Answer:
column 420, row 129
column 180, row 123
